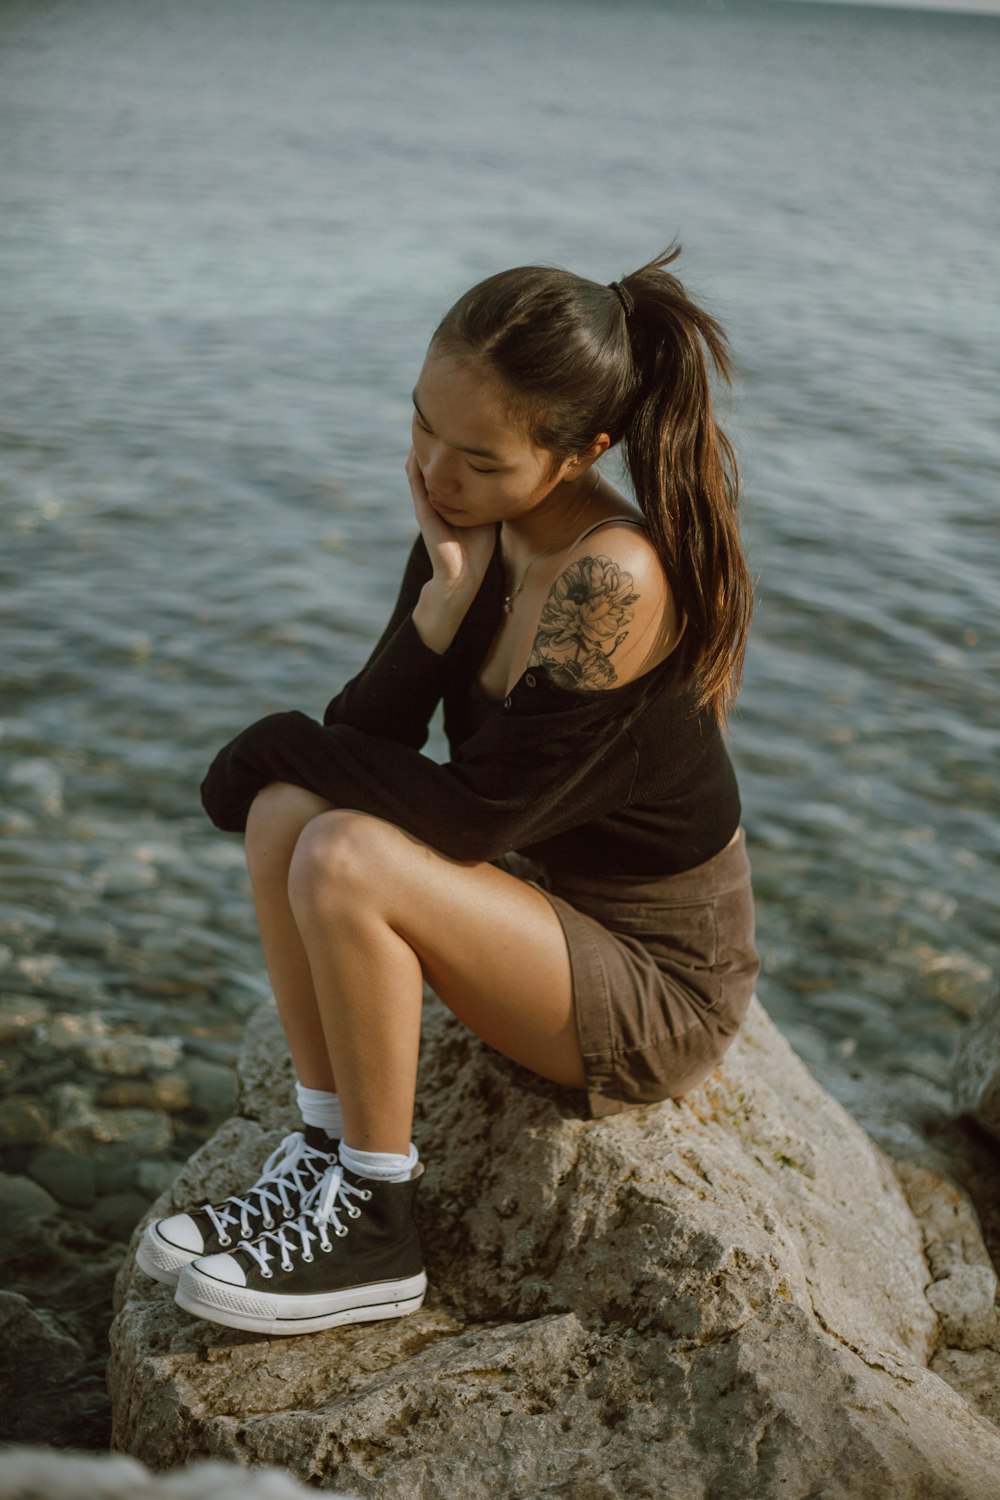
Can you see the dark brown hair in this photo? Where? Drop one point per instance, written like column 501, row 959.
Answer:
column 573, row 364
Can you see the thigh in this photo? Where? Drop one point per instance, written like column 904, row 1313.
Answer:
column 489, row 943
column 277, row 816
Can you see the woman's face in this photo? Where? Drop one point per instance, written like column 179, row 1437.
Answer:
column 477, row 467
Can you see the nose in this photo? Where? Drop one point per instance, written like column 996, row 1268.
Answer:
column 438, row 472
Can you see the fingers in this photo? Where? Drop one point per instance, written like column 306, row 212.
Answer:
column 417, row 487
column 430, row 523
column 414, row 473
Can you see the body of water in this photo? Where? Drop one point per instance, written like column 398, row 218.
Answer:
column 227, row 233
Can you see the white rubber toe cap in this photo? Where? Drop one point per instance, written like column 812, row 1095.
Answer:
column 222, row 1268
column 182, row 1231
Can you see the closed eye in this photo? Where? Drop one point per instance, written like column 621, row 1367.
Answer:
column 418, row 419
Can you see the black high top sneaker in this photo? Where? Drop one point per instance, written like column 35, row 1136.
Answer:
column 352, row 1256
column 287, row 1178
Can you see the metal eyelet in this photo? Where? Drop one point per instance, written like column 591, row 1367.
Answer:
column 267, row 1275
column 341, row 1230
column 268, row 1223
column 355, row 1213
column 308, row 1260
column 326, row 1249
column 224, row 1239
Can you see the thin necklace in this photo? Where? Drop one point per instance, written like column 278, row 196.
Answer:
column 508, row 599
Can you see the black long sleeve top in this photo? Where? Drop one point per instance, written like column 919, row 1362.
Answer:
column 630, row 780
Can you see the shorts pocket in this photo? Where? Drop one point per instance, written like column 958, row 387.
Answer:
column 686, row 935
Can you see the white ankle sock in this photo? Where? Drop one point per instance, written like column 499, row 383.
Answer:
column 382, row 1165
column 321, row 1108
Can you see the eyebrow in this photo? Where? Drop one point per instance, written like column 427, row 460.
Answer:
column 478, row 452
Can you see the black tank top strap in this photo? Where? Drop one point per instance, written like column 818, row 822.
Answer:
column 608, row 521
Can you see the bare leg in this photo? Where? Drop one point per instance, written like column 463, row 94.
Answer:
column 277, row 818
column 376, row 911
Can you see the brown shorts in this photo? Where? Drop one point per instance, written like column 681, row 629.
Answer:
column 663, row 972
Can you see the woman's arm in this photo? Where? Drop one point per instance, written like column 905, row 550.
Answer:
column 524, row 777
column 556, row 754
column 398, row 688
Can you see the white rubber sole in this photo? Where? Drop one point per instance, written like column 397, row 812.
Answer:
column 258, row 1312
column 160, row 1260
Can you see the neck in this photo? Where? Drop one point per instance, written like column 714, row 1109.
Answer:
column 554, row 522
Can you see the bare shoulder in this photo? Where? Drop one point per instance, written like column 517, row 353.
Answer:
column 610, row 614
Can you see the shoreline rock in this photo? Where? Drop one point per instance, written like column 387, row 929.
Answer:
column 731, row 1293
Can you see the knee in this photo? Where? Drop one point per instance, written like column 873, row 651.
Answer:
column 275, row 822
column 336, row 860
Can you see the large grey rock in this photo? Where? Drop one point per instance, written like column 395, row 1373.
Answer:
column 977, row 1068
column 715, row 1298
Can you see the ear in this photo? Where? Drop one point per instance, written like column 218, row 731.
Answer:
column 578, row 465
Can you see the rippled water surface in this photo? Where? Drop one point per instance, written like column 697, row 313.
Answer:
column 227, row 233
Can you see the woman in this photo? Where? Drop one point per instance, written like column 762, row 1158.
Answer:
column 586, row 654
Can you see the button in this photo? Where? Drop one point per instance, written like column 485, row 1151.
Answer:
column 506, row 701
column 530, row 680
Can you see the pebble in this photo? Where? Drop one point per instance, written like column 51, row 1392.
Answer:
column 78, row 1121
column 115, row 1174
column 121, row 877
column 19, row 1017
column 66, row 1030
column 39, row 783
column 958, row 981
column 23, row 1122
column 132, row 1056
column 21, row 1199
column 213, row 1087
column 212, row 1049
column 155, row 1177
column 168, row 1092
column 37, row 968
column 119, row 1213
column 68, row 1176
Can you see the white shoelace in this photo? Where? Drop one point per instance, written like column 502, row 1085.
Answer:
column 327, row 1201
column 292, row 1166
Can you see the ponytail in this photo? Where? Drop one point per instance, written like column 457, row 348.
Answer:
column 576, row 359
column 685, row 477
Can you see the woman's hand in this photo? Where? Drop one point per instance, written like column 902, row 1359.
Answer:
column 460, row 556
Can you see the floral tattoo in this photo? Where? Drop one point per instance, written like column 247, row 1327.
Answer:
column 585, row 620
